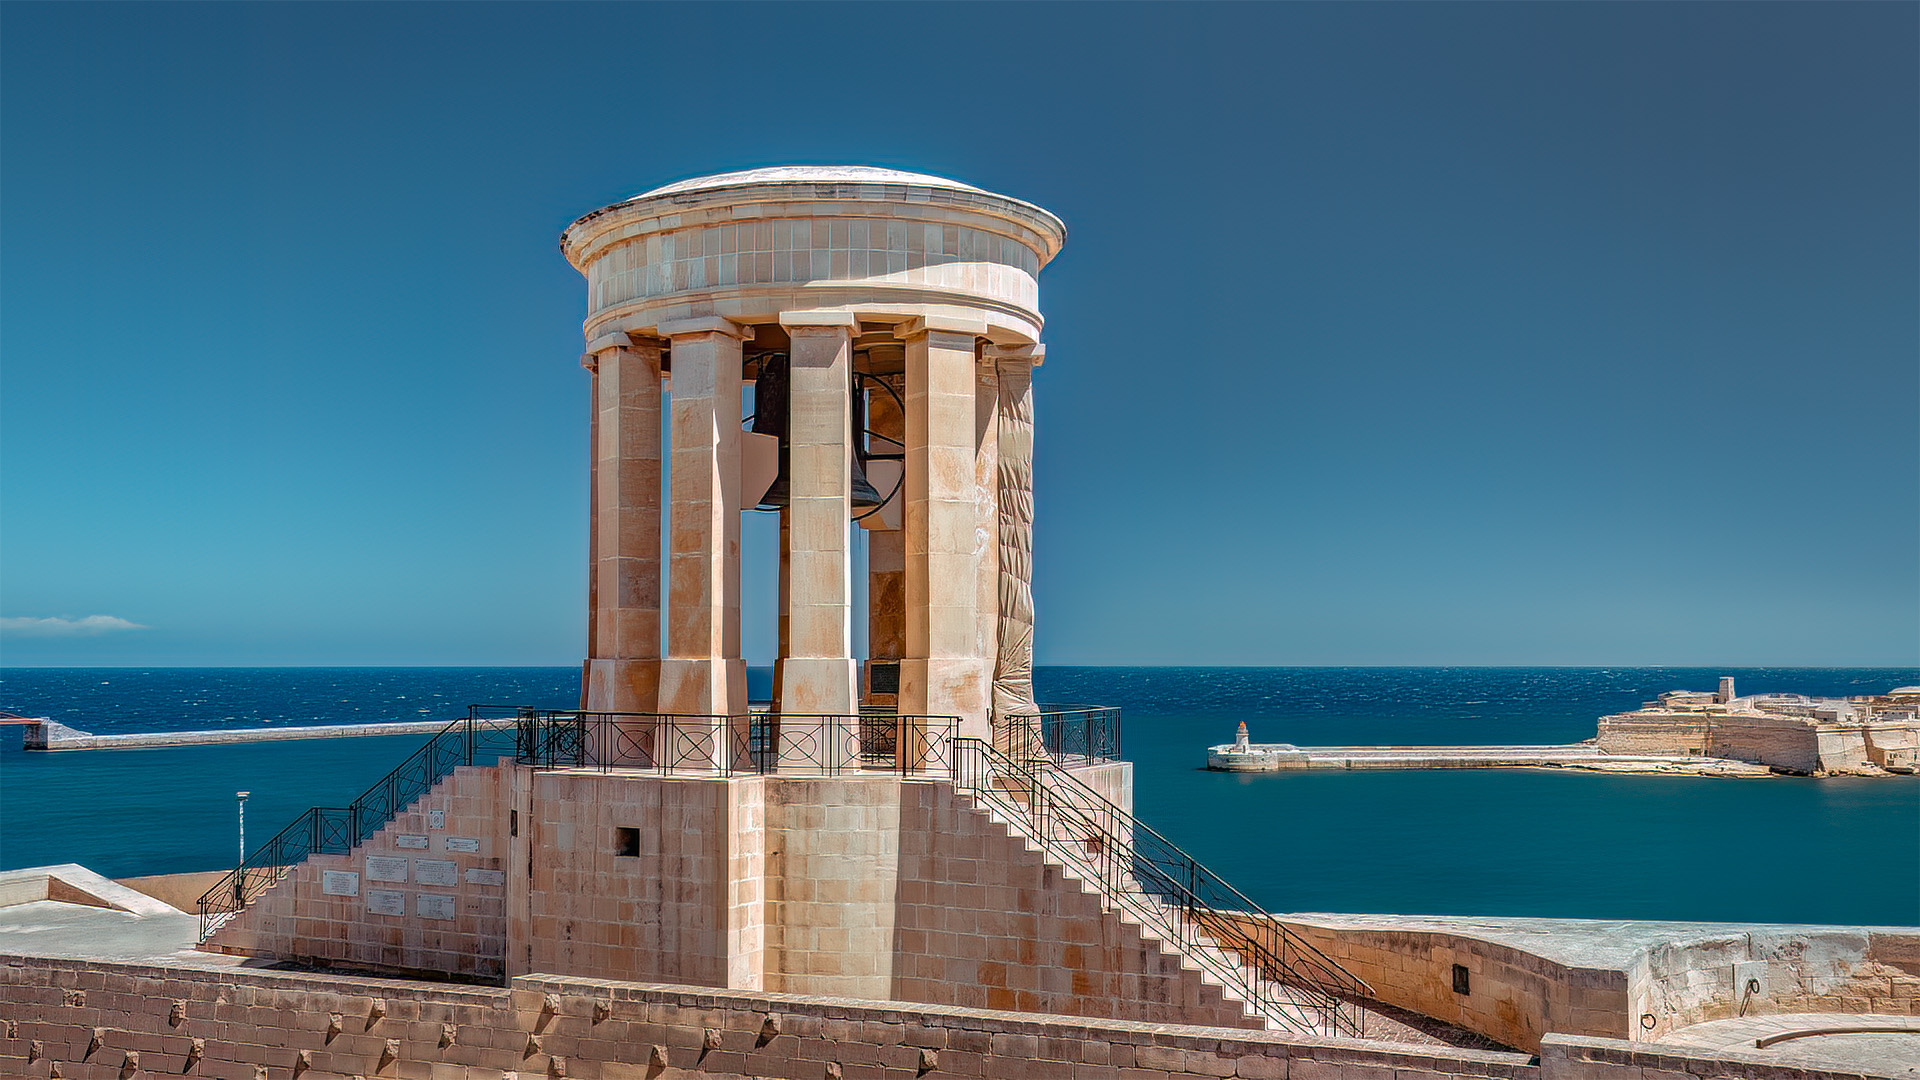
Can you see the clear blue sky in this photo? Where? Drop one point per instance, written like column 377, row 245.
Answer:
column 1540, row 334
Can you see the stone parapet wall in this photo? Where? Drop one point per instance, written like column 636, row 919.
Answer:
column 181, row 891
column 1526, row 978
column 1111, row 780
column 1513, row 996
column 247, row 1024
column 1801, row 970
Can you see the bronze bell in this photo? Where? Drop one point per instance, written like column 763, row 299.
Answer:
column 770, row 398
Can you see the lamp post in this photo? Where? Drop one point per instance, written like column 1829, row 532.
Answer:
column 240, row 868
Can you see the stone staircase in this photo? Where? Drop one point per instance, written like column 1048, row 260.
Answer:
column 1097, row 845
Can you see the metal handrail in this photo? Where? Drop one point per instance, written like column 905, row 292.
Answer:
column 1271, row 968
column 746, row 744
column 743, row 744
column 336, row 830
column 1080, row 734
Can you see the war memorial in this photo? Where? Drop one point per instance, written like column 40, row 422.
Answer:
column 901, row 867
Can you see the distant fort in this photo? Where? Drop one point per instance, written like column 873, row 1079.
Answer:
column 1688, row 732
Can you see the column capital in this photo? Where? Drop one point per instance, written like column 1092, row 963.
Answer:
column 961, row 325
column 819, row 320
column 617, row 340
column 1035, row 354
column 705, row 324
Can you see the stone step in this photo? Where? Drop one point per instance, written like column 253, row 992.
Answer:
column 1204, row 963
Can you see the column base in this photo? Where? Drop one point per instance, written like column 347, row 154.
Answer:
column 621, row 686
column 949, row 686
column 819, row 725
column 811, row 685
column 705, row 707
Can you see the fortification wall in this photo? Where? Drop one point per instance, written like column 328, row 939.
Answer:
column 110, row 1021
column 244, row 1024
column 1800, row 970
column 1844, row 747
column 1618, row 980
column 1513, row 996
column 1782, row 742
column 1795, row 744
column 1676, row 735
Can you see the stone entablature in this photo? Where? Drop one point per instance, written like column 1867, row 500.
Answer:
column 882, row 244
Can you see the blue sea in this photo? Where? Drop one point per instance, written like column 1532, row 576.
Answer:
column 1491, row 842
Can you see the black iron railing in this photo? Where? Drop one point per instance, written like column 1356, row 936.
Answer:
column 723, row 745
column 329, row 830
column 1080, row 734
column 745, row 744
column 1285, row 979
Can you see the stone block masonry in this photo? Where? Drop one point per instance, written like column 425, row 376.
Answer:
column 863, row 886
column 1516, row 979
column 425, row 895
column 104, row 1021
column 88, row 1020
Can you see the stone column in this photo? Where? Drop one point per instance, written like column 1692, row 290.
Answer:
column 1014, row 710
column 624, row 594
column 986, row 519
column 703, row 673
column 588, row 696
column 886, row 549
column 783, row 646
column 942, row 674
column 818, row 679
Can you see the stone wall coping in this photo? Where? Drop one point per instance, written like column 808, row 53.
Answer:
column 39, row 883
column 1594, row 944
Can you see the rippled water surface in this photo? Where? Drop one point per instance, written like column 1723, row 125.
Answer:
column 1496, row 842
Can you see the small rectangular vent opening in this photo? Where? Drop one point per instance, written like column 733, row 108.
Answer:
column 1461, row 984
column 626, row 842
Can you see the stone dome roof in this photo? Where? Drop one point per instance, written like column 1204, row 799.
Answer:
column 806, row 174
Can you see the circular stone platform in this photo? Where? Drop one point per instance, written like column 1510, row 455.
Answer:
column 1849, row 1042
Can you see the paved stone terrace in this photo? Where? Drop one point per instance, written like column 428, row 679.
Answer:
column 1893, row 1046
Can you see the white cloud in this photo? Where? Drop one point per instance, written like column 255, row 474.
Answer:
column 91, row 626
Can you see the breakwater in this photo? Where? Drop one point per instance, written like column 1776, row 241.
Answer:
column 1279, row 757
column 52, row 735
